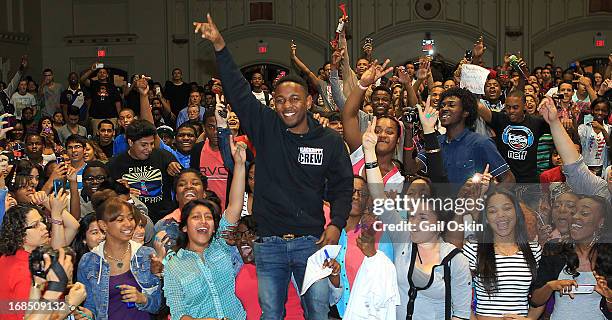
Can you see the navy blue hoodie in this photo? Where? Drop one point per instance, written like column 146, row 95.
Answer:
column 292, row 170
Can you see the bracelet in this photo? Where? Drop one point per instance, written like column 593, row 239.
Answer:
column 58, row 222
column 409, row 148
column 360, row 86
column 371, row 165
column 433, row 151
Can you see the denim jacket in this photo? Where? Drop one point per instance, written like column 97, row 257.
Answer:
column 94, row 273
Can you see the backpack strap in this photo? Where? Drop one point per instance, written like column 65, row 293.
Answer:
column 267, row 98
column 447, row 282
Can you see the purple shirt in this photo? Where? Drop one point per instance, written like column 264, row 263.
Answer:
column 117, row 309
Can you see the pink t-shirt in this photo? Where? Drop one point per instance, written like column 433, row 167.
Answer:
column 246, row 291
column 211, row 166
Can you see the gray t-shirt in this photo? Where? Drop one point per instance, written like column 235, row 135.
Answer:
column 583, row 306
column 51, row 99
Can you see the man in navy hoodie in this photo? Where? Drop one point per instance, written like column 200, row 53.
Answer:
column 299, row 165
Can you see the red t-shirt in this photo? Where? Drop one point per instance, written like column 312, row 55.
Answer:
column 16, row 280
column 211, row 166
column 552, row 175
column 246, row 291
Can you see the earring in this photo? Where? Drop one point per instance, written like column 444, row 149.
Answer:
column 596, row 236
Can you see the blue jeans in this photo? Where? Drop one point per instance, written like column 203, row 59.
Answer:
column 276, row 260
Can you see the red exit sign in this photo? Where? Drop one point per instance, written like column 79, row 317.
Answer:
column 600, row 43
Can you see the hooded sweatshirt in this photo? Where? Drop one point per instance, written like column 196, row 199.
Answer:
column 295, row 172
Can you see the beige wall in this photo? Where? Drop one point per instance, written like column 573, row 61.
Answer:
column 156, row 35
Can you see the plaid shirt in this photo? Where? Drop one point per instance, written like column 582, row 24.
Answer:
column 203, row 286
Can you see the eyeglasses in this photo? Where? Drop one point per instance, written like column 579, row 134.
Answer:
column 359, row 192
column 248, row 234
column 94, row 178
column 76, row 146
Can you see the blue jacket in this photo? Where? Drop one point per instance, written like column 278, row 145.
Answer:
column 94, row 273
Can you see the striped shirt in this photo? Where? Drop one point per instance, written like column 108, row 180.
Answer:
column 513, row 283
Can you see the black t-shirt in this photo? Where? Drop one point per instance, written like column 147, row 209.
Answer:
column 150, row 177
column 103, row 98
column 132, row 101
column 178, row 95
column 107, row 149
column 518, row 144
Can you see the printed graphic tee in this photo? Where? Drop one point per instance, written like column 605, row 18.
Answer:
column 150, row 176
column 518, row 144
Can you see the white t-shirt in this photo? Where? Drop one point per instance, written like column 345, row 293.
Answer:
column 593, row 144
column 261, row 96
column 22, row 101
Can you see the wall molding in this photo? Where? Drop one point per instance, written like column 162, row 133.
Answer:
column 457, row 29
column 14, row 37
column 575, row 25
column 99, row 39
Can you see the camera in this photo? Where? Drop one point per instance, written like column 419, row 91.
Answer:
column 558, row 96
column 37, row 263
column 411, row 115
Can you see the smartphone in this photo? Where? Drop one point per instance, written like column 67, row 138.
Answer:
column 11, row 121
column 428, row 46
column 57, row 186
column 546, row 52
column 99, row 65
column 588, row 118
column 468, row 55
column 157, row 91
column 584, row 289
column 18, row 151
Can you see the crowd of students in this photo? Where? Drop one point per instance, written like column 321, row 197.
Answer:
column 144, row 197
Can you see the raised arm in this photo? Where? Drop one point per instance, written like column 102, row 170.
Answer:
column 586, row 82
column 349, row 78
column 608, row 73
column 563, row 142
column 579, row 177
column 86, row 74
column 334, row 81
column 311, row 76
column 236, row 195
column 250, row 111
column 12, row 86
column 406, row 80
column 350, row 121
column 484, row 112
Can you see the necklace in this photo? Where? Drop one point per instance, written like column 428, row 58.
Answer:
column 119, row 261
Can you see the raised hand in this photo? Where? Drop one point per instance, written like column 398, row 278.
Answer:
column 374, row 72
column 428, row 117
column 210, row 32
column 59, row 202
column 238, row 151
column 403, row 76
column 585, row 81
column 293, row 49
column 24, row 61
column 220, row 112
column 143, row 85
column 479, row 48
column 424, row 70
column 370, row 138
column 548, row 110
column 337, row 58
